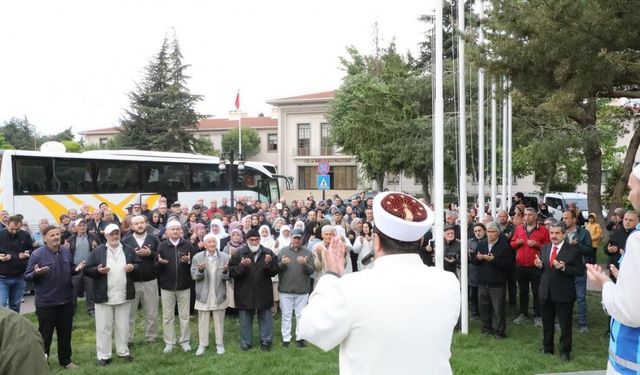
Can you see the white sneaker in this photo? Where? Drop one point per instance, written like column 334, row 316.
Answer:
column 200, row 350
column 220, row 349
column 185, row 346
column 167, row 348
column 520, row 319
column 537, row 321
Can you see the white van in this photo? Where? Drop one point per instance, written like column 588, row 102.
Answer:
column 558, row 202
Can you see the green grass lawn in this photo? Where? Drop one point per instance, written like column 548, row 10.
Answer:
column 475, row 353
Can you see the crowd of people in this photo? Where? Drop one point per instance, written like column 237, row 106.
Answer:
column 256, row 257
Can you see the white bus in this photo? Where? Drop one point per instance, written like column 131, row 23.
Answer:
column 41, row 184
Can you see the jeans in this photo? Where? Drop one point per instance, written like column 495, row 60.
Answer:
column 11, row 292
column 289, row 303
column 581, row 299
column 265, row 321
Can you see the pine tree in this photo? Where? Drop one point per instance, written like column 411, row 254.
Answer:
column 162, row 114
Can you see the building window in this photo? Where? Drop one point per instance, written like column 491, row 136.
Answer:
column 272, row 142
column 102, row 142
column 326, row 147
column 304, row 139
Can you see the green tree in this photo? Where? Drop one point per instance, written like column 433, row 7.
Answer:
column 4, row 145
column 564, row 55
column 72, row 146
column 250, row 142
column 66, row 135
column 20, row 134
column 162, row 115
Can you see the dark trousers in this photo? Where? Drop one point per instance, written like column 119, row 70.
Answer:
column 473, row 300
column 265, row 322
column 528, row 276
column 83, row 284
column 492, row 303
column 59, row 318
column 512, row 286
column 564, row 312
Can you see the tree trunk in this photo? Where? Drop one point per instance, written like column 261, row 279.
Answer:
column 617, row 195
column 593, row 157
column 380, row 181
column 424, row 180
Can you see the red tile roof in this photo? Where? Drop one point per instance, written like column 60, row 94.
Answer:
column 207, row 124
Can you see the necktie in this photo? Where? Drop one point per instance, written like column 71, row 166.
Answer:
column 554, row 253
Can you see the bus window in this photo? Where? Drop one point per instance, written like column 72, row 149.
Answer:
column 205, row 177
column 32, row 175
column 115, row 176
column 73, row 176
column 163, row 177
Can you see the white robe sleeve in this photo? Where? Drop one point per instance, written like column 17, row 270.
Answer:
column 622, row 300
column 326, row 321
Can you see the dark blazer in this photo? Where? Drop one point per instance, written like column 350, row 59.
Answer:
column 557, row 285
column 494, row 273
column 100, row 288
column 252, row 284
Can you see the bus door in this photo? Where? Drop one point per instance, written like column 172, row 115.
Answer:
column 269, row 188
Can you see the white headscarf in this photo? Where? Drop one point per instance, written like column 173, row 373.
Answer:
column 222, row 232
column 282, row 240
column 267, row 241
column 299, row 225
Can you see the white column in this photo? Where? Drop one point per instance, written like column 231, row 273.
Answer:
column 505, row 200
column 494, row 158
column 480, row 8
column 462, row 178
column 438, row 144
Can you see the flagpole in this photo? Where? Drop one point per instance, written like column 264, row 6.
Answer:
column 438, row 143
column 462, row 143
column 481, row 148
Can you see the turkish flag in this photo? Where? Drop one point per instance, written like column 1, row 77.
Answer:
column 238, row 100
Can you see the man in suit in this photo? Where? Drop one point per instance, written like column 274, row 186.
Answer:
column 560, row 262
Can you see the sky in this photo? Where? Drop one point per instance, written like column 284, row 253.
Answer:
column 72, row 63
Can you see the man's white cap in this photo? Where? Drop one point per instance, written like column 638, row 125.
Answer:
column 173, row 223
column 636, row 171
column 110, row 228
column 78, row 221
column 401, row 216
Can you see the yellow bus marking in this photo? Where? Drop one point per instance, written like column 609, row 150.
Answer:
column 55, row 208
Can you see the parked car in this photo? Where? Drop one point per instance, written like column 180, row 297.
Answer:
column 558, row 202
column 367, row 195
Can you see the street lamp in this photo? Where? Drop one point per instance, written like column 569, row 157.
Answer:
column 231, row 156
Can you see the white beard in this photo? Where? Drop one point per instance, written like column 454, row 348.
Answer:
column 254, row 248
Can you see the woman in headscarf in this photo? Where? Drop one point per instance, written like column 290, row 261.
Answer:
column 246, row 225
column 284, row 239
column 299, row 225
column 266, row 239
column 197, row 238
column 217, row 228
column 236, row 241
column 356, row 229
column 255, row 222
column 277, row 225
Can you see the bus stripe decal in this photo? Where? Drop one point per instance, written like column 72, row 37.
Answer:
column 55, row 208
column 151, row 200
column 75, row 199
column 117, row 208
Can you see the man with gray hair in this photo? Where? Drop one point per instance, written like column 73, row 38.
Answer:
column 328, row 233
column 493, row 259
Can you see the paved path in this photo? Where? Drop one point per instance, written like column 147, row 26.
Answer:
column 603, row 372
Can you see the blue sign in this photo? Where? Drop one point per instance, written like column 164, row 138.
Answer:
column 323, row 182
